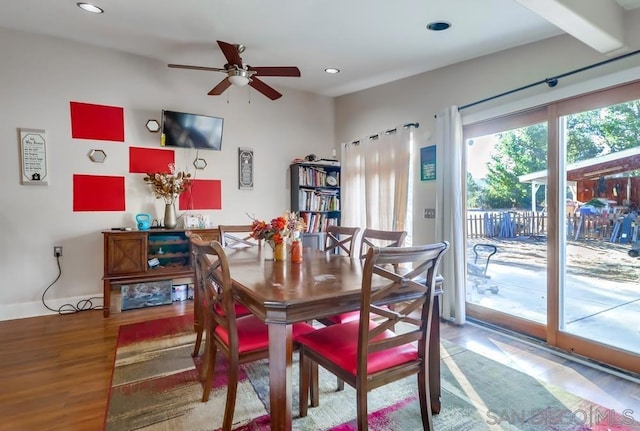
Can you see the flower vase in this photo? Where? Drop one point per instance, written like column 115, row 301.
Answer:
column 267, row 251
column 170, row 216
column 280, row 251
column 296, row 252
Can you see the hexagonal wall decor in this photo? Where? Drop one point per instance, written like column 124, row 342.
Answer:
column 97, row 156
column 153, row 126
column 200, row 163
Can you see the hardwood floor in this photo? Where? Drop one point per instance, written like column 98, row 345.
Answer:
column 581, row 377
column 56, row 370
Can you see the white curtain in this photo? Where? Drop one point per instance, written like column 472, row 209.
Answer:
column 450, row 173
column 375, row 180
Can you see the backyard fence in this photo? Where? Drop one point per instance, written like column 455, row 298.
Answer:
column 512, row 224
column 506, row 224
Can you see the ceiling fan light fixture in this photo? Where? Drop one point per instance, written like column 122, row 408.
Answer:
column 239, row 77
column 240, row 81
column 88, row 7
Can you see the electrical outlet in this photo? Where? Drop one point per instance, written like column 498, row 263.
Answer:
column 429, row 213
column 57, row 250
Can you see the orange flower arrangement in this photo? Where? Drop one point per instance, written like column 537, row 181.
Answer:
column 278, row 229
column 273, row 232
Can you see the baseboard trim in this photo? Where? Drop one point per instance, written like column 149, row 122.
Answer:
column 24, row 310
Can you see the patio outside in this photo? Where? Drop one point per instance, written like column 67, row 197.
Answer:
column 602, row 291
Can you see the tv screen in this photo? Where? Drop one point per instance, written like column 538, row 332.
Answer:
column 180, row 129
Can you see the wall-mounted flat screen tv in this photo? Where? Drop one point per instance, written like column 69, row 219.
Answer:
column 180, row 129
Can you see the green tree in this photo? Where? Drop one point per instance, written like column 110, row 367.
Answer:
column 474, row 193
column 518, row 152
column 524, row 150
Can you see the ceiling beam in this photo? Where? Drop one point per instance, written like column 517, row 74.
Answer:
column 597, row 23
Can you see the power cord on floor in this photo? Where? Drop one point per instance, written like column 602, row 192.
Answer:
column 82, row 305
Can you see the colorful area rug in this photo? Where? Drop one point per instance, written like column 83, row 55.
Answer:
column 155, row 388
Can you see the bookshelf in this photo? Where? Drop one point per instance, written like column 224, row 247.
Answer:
column 315, row 195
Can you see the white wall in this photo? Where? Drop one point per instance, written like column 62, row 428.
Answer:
column 421, row 97
column 38, row 79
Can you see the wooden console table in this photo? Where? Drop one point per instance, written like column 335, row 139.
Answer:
column 127, row 255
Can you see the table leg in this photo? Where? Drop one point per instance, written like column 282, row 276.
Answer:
column 434, row 358
column 280, row 379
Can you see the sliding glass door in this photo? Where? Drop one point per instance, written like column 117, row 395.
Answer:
column 553, row 226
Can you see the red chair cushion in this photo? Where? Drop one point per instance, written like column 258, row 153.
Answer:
column 241, row 310
column 339, row 344
column 344, row 317
column 350, row 316
column 253, row 334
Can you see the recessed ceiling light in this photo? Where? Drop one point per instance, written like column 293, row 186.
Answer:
column 438, row 25
column 332, row 70
column 90, row 7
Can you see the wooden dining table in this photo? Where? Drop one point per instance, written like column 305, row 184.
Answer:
column 282, row 293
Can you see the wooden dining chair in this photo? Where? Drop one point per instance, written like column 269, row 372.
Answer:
column 381, row 238
column 240, row 339
column 236, row 236
column 370, row 238
column 341, row 239
column 367, row 353
column 241, row 310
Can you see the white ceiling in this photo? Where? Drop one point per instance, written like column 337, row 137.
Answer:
column 371, row 41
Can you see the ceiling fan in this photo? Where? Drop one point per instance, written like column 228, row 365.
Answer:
column 242, row 74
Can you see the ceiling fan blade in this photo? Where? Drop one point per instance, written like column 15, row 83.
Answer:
column 185, row 66
column 265, row 89
column 219, row 89
column 276, row 71
column 230, row 53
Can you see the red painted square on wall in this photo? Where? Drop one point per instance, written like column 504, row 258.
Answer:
column 203, row 195
column 98, row 193
column 147, row 160
column 99, row 122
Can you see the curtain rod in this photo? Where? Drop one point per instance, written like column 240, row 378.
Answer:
column 388, row 132
column 551, row 82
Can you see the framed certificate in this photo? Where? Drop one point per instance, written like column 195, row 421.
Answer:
column 33, row 154
column 245, row 168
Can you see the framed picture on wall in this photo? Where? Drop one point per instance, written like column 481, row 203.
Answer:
column 245, row 168
column 428, row 163
column 33, row 156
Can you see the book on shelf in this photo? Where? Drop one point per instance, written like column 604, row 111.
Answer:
column 317, row 177
column 318, row 200
column 318, row 222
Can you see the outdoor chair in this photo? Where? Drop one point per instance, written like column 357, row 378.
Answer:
column 240, row 339
column 367, row 353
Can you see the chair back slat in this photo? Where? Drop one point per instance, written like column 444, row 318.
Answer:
column 381, row 238
column 214, row 280
column 400, row 340
column 402, row 278
column 237, row 236
column 341, row 239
